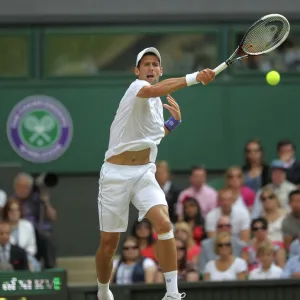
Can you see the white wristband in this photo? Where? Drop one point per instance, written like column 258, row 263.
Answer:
column 191, row 79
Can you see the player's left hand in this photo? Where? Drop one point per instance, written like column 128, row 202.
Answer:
column 173, row 108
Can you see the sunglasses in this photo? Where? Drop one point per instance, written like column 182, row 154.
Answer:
column 181, row 248
column 268, row 197
column 259, row 228
column 221, row 245
column 224, row 226
column 130, row 248
column 234, row 176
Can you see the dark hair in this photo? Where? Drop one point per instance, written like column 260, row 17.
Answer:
column 150, row 239
column 198, row 218
column 293, row 193
column 183, row 262
column 261, row 220
column 247, row 164
column 285, row 142
column 7, row 206
column 147, row 53
column 196, row 168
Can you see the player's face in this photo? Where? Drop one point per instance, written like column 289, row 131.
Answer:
column 149, row 69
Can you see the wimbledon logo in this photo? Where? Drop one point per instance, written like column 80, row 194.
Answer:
column 39, row 129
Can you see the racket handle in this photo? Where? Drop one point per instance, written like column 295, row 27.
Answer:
column 220, row 68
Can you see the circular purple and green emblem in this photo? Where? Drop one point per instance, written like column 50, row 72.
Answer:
column 39, row 129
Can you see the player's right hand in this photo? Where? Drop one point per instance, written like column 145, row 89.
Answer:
column 206, row 76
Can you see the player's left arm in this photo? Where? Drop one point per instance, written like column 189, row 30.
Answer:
column 174, row 110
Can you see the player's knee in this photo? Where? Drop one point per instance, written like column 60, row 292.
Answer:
column 109, row 244
column 163, row 225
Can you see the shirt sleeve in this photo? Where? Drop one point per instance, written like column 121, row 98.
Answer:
column 210, row 221
column 148, row 263
column 137, row 85
column 241, row 265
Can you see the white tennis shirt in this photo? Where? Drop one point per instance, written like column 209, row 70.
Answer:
column 138, row 123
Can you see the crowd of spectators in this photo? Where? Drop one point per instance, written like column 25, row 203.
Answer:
column 247, row 228
column 26, row 226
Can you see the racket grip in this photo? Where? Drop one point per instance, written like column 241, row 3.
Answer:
column 220, row 68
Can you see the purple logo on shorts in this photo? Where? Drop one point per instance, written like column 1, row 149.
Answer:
column 39, row 129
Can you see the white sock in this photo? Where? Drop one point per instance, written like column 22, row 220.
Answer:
column 103, row 289
column 171, row 282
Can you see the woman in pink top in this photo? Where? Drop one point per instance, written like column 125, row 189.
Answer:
column 244, row 197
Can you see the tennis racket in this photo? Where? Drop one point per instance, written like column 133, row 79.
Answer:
column 262, row 37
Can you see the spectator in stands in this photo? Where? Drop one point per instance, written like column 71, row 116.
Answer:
column 146, row 238
column 240, row 218
column 279, row 185
column 132, row 267
column 3, row 199
column 36, row 208
column 243, row 196
column 184, row 232
column 11, row 254
column 267, row 269
column 286, row 153
column 192, row 216
column 292, row 268
column 207, row 245
column 295, row 247
column 291, row 223
column 259, row 228
column 226, row 266
column 187, row 271
column 273, row 213
column 204, row 194
column 22, row 231
column 256, row 171
column 171, row 191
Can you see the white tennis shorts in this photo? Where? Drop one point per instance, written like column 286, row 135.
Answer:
column 118, row 186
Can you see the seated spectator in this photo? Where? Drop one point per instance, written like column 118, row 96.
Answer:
column 295, row 247
column 187, row 272
column 273, row 213
column 3, row 199
column 37, row 208
column 11, row 255
column 280, row 186
column 204, row 194
column 292, row 268
column 145, row 237
column 286, row 153
column 192, row 216
column 267, row 268
column 163, row 178
column 22, row 231
column 291, row 223
column 256, row 171
column 240, row 218
column 184, row 232
column 132, row 267
column 226, row 266
column 242, row 195
column 259, row 228
column 207, row 245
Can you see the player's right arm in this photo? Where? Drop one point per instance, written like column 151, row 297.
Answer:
column 171, row 85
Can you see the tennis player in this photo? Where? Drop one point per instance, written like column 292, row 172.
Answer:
column 128, row 172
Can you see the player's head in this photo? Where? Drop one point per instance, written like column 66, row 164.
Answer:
column 148, row 65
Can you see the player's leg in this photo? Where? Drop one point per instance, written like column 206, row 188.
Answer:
column 150, row 200
column 104, row 262
column 113, row 207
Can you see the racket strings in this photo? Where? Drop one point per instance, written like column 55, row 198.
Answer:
column 265, row 35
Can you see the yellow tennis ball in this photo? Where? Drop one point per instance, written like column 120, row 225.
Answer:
column 273, row 78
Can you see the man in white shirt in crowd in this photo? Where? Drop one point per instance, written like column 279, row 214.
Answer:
column 203, row 193
column 267, row 268
column 128, row 172
column 239, row 217
column 279, row 185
